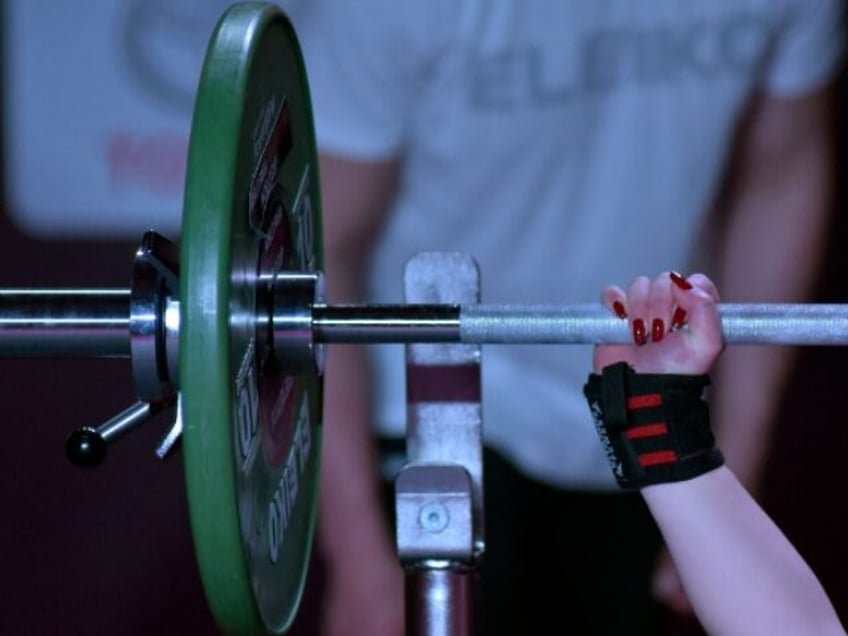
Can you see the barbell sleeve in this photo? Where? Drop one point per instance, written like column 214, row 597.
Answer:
column 64, row 323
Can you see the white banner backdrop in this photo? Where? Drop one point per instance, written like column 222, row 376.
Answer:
column 97, row 101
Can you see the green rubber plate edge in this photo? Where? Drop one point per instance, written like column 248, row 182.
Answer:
column 217, row 179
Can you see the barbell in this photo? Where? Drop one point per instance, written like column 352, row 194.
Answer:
column 229, row 328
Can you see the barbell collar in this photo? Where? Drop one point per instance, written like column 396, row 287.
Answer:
column 153, row 328
column 289, row 330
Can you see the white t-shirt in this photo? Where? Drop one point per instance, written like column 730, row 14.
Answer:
column 564, row 145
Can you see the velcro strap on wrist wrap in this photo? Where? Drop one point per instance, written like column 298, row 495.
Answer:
column 655, row 428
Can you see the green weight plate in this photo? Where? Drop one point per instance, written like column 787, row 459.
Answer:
column 252, row 433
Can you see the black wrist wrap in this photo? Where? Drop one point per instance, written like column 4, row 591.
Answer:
column 655, row 428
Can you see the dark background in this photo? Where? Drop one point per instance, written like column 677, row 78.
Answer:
column 109, row 550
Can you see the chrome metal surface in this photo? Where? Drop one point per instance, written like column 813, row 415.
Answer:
column 59, row 323
column 125, row 421
column 440, row 599
column 174, row 433
column 155, row 286
column 293, row 295
column 395, row 323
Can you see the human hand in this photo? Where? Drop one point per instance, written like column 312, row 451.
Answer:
column 677, row 317
column 679, row 332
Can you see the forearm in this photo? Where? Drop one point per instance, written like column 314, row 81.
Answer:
column 353, row 530
column 749, row 380
column 777, row 209
column 741, row 573
column 352, row 522
column 351, row 513
column 747, row 389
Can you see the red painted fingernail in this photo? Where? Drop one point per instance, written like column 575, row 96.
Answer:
column 619, row 309
column 678, row 280
column 678, row 318
column 657, row 330
column 639, row 335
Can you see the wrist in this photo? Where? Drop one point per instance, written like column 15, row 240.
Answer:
column 654, row 427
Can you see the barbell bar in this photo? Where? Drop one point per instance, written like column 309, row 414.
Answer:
column 577, row 323
column 57, row 323
column 229, row 328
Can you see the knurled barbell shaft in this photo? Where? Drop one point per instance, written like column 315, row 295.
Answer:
column 95, row 323
column 742, row 323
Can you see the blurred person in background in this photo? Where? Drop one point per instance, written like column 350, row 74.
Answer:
column 562, row 145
